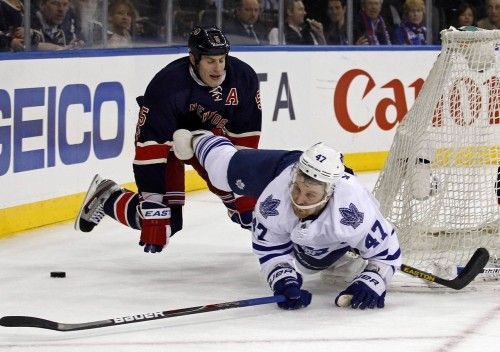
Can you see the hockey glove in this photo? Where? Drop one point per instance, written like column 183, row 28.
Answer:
column 241, row 211
column 242, row 219
column 289, row 285
column 367, row 291
column 155, row 226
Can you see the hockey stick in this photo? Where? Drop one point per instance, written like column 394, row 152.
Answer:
column 471, row 270
column 33, row 322
column 493, row 270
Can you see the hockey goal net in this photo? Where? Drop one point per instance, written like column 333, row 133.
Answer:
column 440, row 183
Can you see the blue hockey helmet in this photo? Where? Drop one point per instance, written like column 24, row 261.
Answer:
column 207, row 41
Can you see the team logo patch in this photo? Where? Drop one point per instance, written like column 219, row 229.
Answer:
column 240, row 184
column 268, row 207
column 216, row 93
column 351, row 216
column 313, row 252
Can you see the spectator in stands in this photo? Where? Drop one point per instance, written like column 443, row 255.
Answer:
column 269, row 13
column 316, row 9
column 150, row 18
column 244, row 27
column 5, row 37
column 412, row 31
column 335, row 25
column 88, row 27
column 121, row 22
column 465, row 15
column 370, row 27
column 492, row 19
column 298, row 30
column 11, row 22
column 52, row 30
column 271, row 5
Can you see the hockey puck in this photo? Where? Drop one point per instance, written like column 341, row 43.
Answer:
column 57, row 274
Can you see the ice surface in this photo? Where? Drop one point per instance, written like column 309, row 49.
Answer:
column 211, row 261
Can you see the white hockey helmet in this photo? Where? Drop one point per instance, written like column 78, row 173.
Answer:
column 323, row 164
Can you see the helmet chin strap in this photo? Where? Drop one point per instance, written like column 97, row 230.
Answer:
column 307, row 207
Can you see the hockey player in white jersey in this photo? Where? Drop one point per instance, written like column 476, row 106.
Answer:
column 310, row 212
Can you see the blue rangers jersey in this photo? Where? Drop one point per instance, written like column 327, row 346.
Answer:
column 351, row 219
column 176, row 98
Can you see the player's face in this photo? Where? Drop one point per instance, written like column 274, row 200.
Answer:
column 211, row 69
column 304, row 192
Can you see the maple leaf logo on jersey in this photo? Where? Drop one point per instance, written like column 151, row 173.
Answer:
column 268, row 207
column 351, row 216
column 240, row 184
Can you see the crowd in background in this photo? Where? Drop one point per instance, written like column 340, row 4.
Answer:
column 77, row 24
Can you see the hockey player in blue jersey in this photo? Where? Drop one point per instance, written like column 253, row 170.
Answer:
column 207, row 90
column 311, row 210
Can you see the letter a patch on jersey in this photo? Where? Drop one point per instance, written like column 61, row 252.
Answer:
column 351, row 216
column 268, row 207
column 232, row 97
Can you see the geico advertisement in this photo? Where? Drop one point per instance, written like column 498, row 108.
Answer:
column 61, row 124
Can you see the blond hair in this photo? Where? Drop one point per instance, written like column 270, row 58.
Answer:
column 411, row 4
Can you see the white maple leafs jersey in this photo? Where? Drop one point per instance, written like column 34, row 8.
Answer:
column 351, row 219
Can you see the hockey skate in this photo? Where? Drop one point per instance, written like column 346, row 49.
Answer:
column 92, row 209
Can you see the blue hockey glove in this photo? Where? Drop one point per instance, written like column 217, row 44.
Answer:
column 367, row 291
column 284, row 280
column 155, row 226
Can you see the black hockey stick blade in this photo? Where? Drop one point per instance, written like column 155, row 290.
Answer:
column 475, row 266
column 33, row 322
column 486, row 270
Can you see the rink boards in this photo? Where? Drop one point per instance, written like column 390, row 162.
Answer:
column 66, row 116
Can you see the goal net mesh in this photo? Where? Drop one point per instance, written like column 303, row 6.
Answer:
column 439, row 185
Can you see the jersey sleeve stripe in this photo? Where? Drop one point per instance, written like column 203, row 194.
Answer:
column 151, row 153
column 243, row 135
column 177, row 198
column 268, row 257
column 262, row 248
column 120, row 208
column 207, row 145
column 149, row 162
column 386, row 256
column 395, row 255
column 245, row 142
